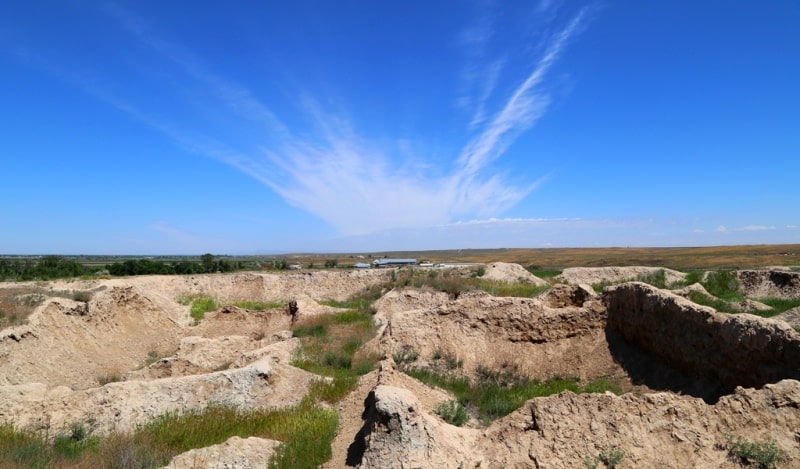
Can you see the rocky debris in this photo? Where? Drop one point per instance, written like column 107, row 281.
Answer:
column 735, row 350
column 235, row 453
column 506, row 272
column 769, row 283
column 597, row 275
column 124, row 405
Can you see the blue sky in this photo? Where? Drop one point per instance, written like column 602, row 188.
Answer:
column 155, row 127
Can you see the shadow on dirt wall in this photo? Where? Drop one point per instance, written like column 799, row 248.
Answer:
column 645, row 370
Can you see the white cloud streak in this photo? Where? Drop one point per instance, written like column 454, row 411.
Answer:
column 354, row 185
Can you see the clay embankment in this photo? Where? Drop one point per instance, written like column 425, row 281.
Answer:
column 597, row 275
column 560, row 333
column 734, row 350
column 127, row 321
column 135, row 331
column 660, row 430
column 769, row 283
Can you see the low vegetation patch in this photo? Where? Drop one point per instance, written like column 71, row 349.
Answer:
column 720, row 305
column 722, row 284
column 764, row 454
column 517, row 289
column 306, row 430
column 16, row 304
column 609, row 455
column 200, row 305
column 779, row 305
column 453, row 413
column 496, row 394
column 543, row 273
column 329, row 346
column 259, row 305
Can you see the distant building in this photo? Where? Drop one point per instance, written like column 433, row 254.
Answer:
column 361, row 265
column 295, row 267
column 393, row 262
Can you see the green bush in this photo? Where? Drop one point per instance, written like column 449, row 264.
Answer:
column 657, row 279
column 611, row 456
column 452, row 412
column 722, row 284
column 764, row 454
column 405, row 355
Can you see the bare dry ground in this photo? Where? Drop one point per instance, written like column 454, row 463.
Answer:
column 690, row 382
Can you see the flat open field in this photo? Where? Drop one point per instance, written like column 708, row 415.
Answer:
column 683, row 258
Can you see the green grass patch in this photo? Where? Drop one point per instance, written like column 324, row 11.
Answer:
column 306, row 430
column 330, row 345
column 259, row 305
column 518, row 290
column 720, row 305
column 779, row 305
column 492, row 398
column 544, row 273
column 313, row 330
column 355, row 316
column 201, row 306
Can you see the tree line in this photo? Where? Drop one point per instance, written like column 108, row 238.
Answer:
column 53, row 267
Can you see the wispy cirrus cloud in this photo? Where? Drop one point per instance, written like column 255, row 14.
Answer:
column 352, row 182
column 357, row 188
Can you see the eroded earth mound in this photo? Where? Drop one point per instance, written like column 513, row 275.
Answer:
column 689, row 378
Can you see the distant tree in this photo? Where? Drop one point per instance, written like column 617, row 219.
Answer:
column 207, row 260
column 331, row 263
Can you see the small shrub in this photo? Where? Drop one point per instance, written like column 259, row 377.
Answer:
column 764, row 454
column 722, row 284
column 105, row 379
column 481, row 271
column 72, row 445
column 452, row 412
column 657, row 279
column 152, row 357
column 611, row 456
column 405, row 355
column 223, row 366
column 83, row 296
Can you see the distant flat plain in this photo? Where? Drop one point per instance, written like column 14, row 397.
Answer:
column 679, row 258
